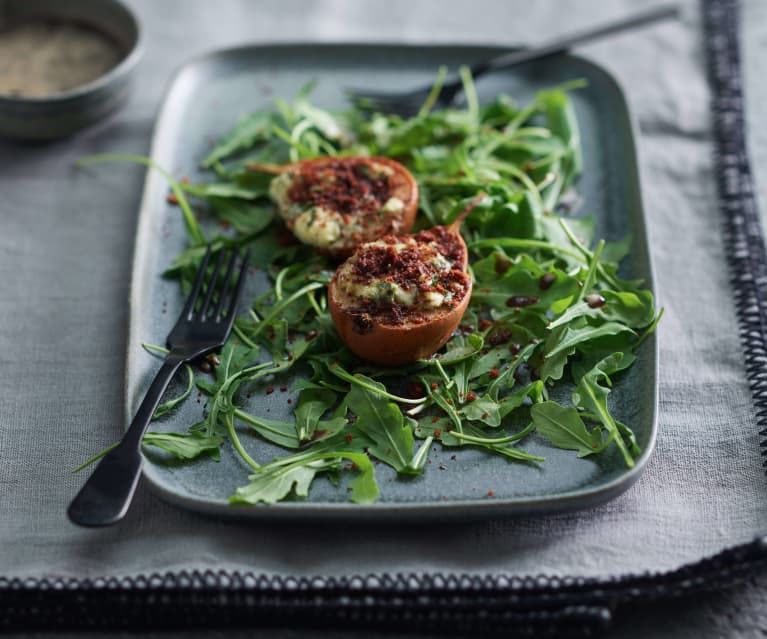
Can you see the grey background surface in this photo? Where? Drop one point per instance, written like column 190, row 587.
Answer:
column 66, row 243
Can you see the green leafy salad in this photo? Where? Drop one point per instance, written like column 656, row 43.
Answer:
column 549, row 316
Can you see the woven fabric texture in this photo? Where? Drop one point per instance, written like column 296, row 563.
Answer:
column 65, row 251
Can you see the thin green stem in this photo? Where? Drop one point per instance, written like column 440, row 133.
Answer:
column 431, row 99
column 278, row 308
column 96, row 457
column 238, row 445
column 336, row 370
column 510, row 242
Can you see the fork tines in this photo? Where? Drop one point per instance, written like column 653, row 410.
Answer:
column 223, row 292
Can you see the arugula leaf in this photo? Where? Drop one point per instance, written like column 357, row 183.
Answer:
column 167, row 407
column 245, row 217
column 459, row 349
column 519, row 284
column 590, row 395
column 564, row 428
column 534, row 391
column 277, row 431
column 185, row 446
column 224, row 191
column 278, row 482
column 382, row 421
column 312, row 405
column 632, row 308
column 483, row 409
column 575, row 335
column 249, row 130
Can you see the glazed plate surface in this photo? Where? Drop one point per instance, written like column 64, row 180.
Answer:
column 205, row 99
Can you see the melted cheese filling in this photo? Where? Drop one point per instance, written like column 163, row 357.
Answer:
column 387, row 290
column 320, row 226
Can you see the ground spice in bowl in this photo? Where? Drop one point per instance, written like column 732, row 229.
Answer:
column 41, row 58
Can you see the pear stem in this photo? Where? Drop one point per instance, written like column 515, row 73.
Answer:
column 455, row 226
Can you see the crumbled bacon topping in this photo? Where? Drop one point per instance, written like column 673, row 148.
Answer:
column 350, row 188
column 427, row 262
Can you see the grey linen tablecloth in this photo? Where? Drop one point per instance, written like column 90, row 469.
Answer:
column 66, row 243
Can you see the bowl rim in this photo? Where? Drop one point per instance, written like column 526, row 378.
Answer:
column 101, row 82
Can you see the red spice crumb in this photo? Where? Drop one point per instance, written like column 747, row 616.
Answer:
column 490, row 492
column 434, row 419
column 283, row 389
column 494, row 372
column 214, row 360
column 471, row 396
column 184, row 180
column 484, row 415
column 434, row 385
column 348, row 438
column 311, row 335
column 171, row 198
column 290, row 401
column 485, row 323
column 453, row 457
column 269, row 390
column 415, row 389
column 437, row 432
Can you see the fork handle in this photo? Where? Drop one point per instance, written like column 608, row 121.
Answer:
column 560, row 45
column 106, row 496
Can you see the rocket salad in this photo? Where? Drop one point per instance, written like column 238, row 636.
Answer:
column 549, row 315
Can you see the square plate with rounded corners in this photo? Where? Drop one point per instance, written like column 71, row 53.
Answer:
column 203, row 102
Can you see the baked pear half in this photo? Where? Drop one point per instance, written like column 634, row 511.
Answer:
column 399, row 299
column 337, row 203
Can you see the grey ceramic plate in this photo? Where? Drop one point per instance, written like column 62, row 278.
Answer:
column 204, row 100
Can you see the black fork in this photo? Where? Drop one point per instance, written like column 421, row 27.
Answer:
column 409, row 103
column 203, row 326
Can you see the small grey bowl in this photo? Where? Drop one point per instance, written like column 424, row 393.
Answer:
column 64, row 113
